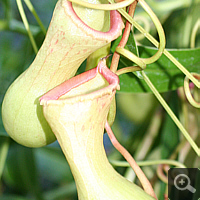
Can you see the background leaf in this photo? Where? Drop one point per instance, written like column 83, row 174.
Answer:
column 164, row 74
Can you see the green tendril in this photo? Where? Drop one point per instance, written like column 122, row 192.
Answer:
column 160, row 30
column 4, row 147
column 194, row 33
column 127, row 69
column 131, row 56
column 148, row 163
column 141, row 62
column 26, row 24
column 171, row 114
column 188, row 92
column 156, row 43
column 158, row 26
column 31, row 8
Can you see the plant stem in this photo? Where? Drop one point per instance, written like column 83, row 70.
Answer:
column 156, row 43
column 25, row 21
column 160, row 30
column 194, row 33
column 188, row 94
column 161, row 175
column 141, row 176
column 172, row 115
column 3, row 153
column 31, row 8
column 122, row 43
column 148, row 163
column 127, row 69
column 131, row 56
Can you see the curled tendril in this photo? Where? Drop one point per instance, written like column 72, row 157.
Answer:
column 113, row 6
column 145, row 22
column 131, row 57
column 188, row 94
column 161, row 47
column 161, row 174
column 143, row 61
column 194, row 33
column 128, row 69
column 156, row 43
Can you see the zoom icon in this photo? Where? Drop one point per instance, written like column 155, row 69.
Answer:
column 184, row 184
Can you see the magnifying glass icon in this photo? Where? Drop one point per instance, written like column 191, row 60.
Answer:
column 182, row 182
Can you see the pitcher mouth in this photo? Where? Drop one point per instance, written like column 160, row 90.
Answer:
column 61, row 91
column 116, row 24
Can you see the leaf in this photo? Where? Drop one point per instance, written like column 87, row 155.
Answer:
column 2, row 130
column 52, row 158
column 20, row 171
column 15, row 56
column 13, row 197
column 179, row 25
column 169, row 131
column 61, row 192
column 164, row 74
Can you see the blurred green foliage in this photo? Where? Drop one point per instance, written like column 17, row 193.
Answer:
column 44, row 173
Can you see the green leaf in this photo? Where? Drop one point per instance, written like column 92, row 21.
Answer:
column 20, row 171
column 52, row 158
column 61, row 192
column 2, row 130
column 179, row 25
column 169, row 131
column 15, row 56
column 13, row 197
column 164, row 74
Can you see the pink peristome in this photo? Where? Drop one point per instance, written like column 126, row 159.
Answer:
column 116, row 24
column 74, row 82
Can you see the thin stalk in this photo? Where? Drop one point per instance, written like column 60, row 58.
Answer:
column 131, row 56
column 182, row 68
column 194, row 33
column 31, row 8
column 161, row 175
column 25, row 21
column 148, row 163
column 18, row 26
column 125, row 36
column 3, row 154
column 158, row 26
column 150, row 135
column 187, row 26
column 127, row 69
column 178, row 149
column 188, row 94
column 171, row 114
column 156, row 43
column 160, row 30
column 140, row 174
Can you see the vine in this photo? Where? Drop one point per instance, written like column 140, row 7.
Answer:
column 140, row 64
